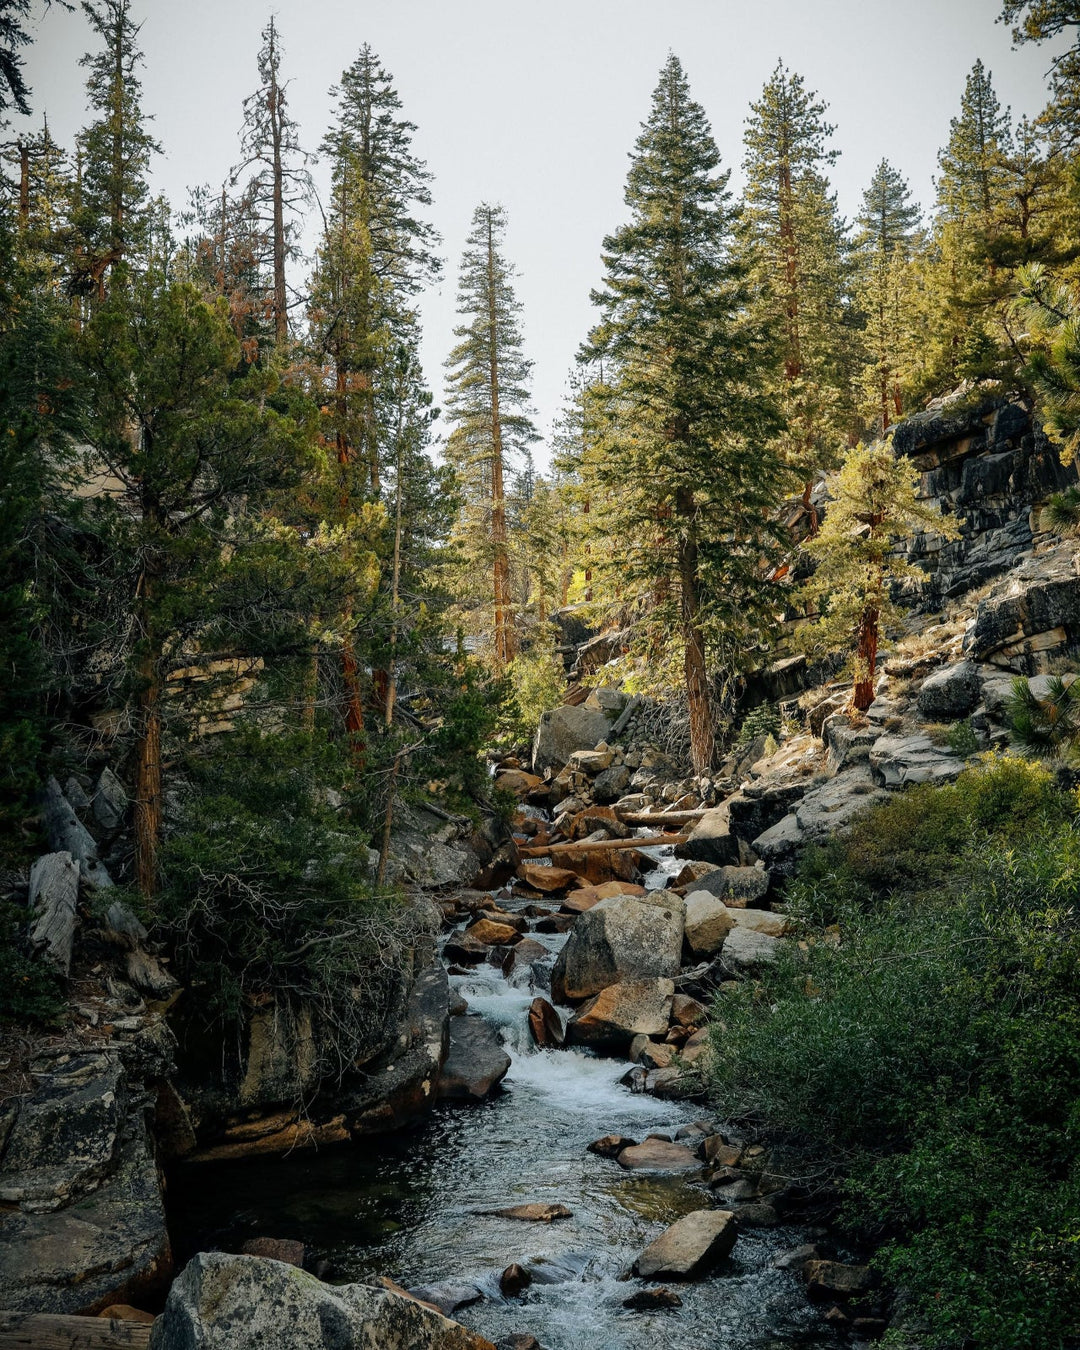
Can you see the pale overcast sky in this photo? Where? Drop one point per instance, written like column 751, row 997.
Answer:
column 536, row 104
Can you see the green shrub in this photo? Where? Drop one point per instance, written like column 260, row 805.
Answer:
column 267, row 891
column 961, row 739
column 537, row 684
column 933, row 1053
column 764, row 720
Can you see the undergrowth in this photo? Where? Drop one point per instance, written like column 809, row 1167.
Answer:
column 933, row 1055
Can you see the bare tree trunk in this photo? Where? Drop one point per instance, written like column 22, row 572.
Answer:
column 274, row 99
column 24, row 186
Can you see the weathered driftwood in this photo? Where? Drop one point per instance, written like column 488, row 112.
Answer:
column 68, row 834
column 660, row 817
column 49, row 1331
column 595, row 845
column 54, row 895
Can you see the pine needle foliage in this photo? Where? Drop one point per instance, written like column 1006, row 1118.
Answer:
column 1049, row 724
column 874, row 504
column 685, row 417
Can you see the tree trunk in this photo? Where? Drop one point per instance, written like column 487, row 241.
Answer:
column 504, row 637
column 24, row 186
column 702, row 737
column 147, row 813
column 865, row 659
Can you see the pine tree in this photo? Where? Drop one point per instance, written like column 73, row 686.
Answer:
column 873, row 504
column 488, row 403
column 192, row 446
column 973, row 176
column 115, row 151
column 883, row 246
column 1039, row 21
column 14, row 91
column 375, row 254
column 281, row 184
column 686, row 422
column 796, row 242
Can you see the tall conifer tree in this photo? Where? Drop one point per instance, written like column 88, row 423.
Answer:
column 883, row 246
column 796, row 243
column 115, row 150
column 686, row 419
column 488, row 402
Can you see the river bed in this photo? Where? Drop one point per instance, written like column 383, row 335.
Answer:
column 407, row 1206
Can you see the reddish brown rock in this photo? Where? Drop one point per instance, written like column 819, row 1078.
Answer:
column 656, row 1155
column 492, row 934
column 548, row 880
column 687, row 1011
column 645, row 1300
column 545, row 1024
column 275, row 1249
column 611, row 1145
column 514, row 1280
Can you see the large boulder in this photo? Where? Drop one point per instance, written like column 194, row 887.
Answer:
column 477, row 1062
column 429, row 851
column 565, row 730
column 611, row 1020
column 711, row 840
column 611, row 784
column 1032, row 614
column 622, row 938
column 109, row 1246
column 708, row 922
column 950, row 693
column 898, row 761
column 222, row 1302
column 693, row 1246
column 54, row 897
column 747, row 951
column 736, row 886
column 66, row 1137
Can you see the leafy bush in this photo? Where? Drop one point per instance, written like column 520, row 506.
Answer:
column 961, row 739
column 934, row 1052
column 268, row 892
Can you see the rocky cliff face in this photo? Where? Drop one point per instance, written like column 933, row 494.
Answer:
column 990, row 464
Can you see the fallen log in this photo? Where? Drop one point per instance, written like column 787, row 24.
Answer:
column 661, row 817
column 49, row 1331
column 595, row 845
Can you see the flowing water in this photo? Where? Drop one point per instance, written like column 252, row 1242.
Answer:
column 407, row 1207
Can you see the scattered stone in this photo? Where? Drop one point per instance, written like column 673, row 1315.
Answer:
column 760, row 921
column 549, row 880
column 757, row 1216
column 110, row 801
column 652, row 1054
column 656, row 1155
column 797, row 1257
column 545, row 1024
column 745, row 951
column 687, row 1011
column 534, row 1213
column 514, row 1280
column 950, row 693
column 124, row 1312
column 222, row 1302
column 693, row 1246
column 827, row 1281
column 736, row 886
column 646, row 1300
column 898, row 761
column 611, row 1020
column 707, row 923
column 611, row 784
column 711, row 839
column 694, row 871
column 717, row 1150
column 465, row 949
column 477, row 1062
column 610, row 1146
column 287, row 1250
column 492, row 934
